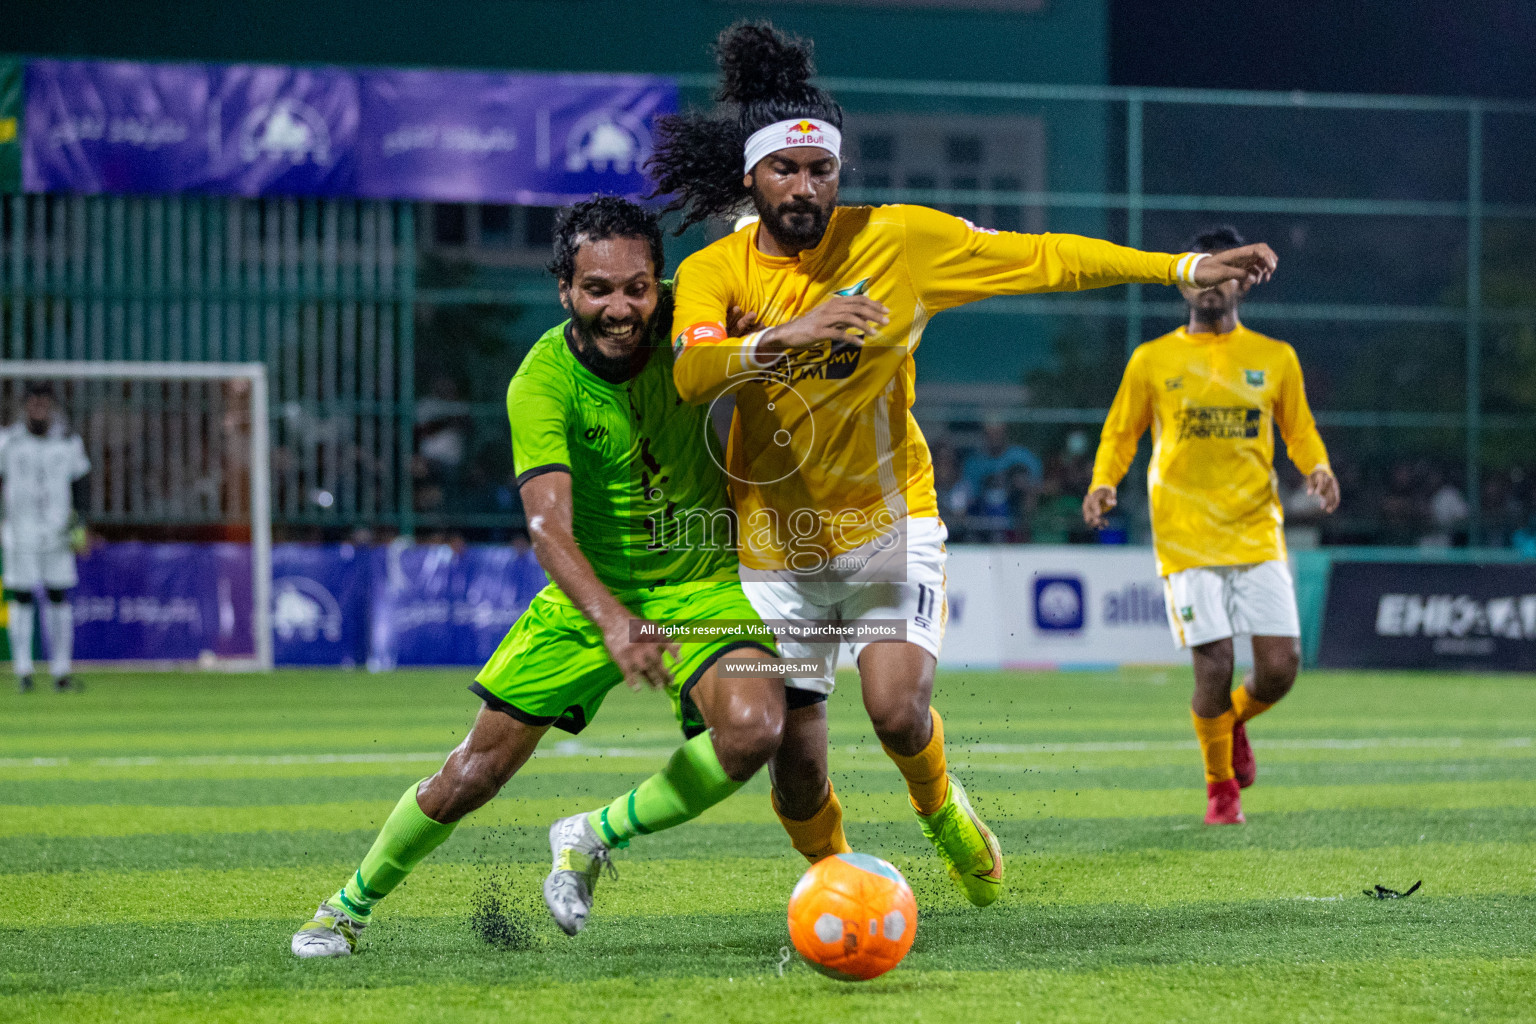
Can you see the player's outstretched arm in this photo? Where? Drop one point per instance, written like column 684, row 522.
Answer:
column 954, row 262
column 547, row 503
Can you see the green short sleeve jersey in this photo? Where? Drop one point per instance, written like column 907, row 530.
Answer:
column 650, row 505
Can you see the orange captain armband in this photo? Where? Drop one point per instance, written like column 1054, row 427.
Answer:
column 698, row 334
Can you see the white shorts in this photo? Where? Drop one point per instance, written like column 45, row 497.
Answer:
column 913, row 595
column 27, row 569
column 1220, row 601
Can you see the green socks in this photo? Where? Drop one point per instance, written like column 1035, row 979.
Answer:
column 404, row 841
column 690, row 784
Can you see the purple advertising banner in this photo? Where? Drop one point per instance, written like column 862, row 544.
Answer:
column 259, row 130
column 114, row 126
column 332, row 604
column 163, row 602
column 529, row 139
column 119, row 126
column 282, row 131
column 433, row 605
column 320, row 604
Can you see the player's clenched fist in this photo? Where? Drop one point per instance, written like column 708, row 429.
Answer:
column 641, row 661
column 1098, row 504
column 1324, row 486
column 842, row 318
column 1249, row 264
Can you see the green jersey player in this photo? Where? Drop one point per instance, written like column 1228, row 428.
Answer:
column 628, row 512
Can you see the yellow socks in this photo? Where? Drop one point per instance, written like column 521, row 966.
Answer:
column 1215, row 735
column 819, row 836
column 925, row 771
column 1245, row 705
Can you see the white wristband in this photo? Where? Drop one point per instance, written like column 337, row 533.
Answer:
column 1184, row 270
column 751, row 358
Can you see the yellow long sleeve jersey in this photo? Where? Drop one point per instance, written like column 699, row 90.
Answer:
column 824, row 454
column 1212, row 401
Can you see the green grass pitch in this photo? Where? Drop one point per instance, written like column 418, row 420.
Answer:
column 162, row 835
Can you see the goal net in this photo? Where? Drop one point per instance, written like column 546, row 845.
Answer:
column 179, row 486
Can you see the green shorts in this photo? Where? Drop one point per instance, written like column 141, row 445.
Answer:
column 552, row 667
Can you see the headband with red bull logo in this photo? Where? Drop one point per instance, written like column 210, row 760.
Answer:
column 802, row 131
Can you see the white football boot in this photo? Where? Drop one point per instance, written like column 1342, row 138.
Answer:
column 333, row 932
column 579, row 857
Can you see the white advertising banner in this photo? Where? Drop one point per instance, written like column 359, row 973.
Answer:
column 1038, row 606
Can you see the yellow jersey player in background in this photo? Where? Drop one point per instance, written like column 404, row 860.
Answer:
column 1213, row 392
column 830, row 476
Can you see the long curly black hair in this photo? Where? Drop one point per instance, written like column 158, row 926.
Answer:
column 765, row 77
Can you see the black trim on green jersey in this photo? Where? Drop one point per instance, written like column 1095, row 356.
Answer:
column 551, row 467
column 572, row 721
column 693, row 720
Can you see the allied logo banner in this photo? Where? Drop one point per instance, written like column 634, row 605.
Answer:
column 266, row 130
column 1067, row 606
column 1418, row 615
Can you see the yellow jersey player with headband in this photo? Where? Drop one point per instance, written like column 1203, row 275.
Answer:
column 809, row 318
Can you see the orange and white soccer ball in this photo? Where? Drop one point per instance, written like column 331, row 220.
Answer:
column 852, row 916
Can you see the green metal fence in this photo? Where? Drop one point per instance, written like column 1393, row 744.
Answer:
column 322, row 292
column 1406, row 227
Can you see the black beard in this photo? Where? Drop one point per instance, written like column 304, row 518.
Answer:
column 1211, row 315
column 775, row 219
column 613, row 369
column 37, row 428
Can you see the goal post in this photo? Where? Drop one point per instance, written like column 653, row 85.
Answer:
column 170, row 446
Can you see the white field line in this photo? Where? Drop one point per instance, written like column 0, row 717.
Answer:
column 569, row 748
column 575, row 748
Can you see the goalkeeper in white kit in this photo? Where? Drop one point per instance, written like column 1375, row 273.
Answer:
column 41, row 464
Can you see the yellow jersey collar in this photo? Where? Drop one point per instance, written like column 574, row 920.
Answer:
column 1211, row 337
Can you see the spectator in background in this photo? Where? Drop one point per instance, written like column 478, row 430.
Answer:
column 1077, row 461
column 442, row 428
column 1448, row 515
column 1524, row 539
column 1057, row 516
column 1056, row 509
column 1022, row 492
column 998, row 457
column 991, row 511
column 953, row 491
column 1400, row 511
column 1503, row 512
